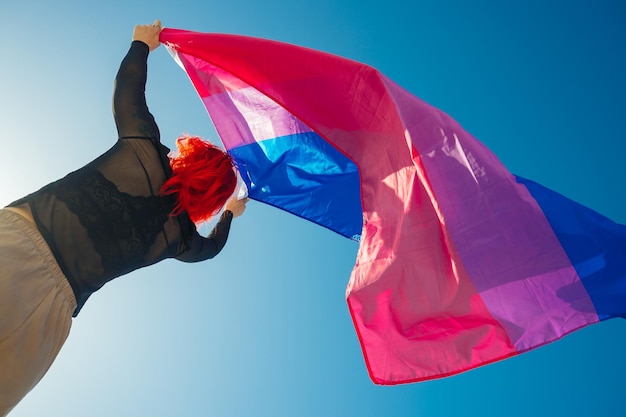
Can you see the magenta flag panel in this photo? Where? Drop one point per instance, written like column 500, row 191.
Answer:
column 460, row 262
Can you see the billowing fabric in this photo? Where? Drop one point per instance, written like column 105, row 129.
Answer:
column 36, row 306
column 108, row 218
column 460, row 262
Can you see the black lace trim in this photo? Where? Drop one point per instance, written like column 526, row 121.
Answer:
column 122, row 227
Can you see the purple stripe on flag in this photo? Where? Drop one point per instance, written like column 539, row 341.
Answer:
column 503, row 238
column 241, row 114
column 246, row 116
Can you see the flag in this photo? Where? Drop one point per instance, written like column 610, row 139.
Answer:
column 460, row 262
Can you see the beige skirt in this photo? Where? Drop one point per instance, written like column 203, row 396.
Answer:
column 36, row 306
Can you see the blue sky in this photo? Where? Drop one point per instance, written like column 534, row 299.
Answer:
column 263, row 329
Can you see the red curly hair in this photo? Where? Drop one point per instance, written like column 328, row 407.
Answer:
column 203, row 178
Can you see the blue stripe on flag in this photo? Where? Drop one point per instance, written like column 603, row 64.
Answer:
column 306, row 176
column 595, row 245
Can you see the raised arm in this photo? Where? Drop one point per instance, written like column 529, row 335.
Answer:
column 132, row 117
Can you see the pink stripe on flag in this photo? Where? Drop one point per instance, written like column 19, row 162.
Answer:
column 417, row 313
column 204, row 75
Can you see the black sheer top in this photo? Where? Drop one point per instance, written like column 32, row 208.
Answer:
column 107, row 218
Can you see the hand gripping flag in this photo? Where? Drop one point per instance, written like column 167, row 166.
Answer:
column 460, row 262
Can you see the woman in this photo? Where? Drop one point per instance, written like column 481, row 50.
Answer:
column 131, row 207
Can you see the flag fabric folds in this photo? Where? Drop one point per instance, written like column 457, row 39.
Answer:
column 460, row 262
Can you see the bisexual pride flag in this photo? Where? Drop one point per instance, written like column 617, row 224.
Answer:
column 460, row 262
